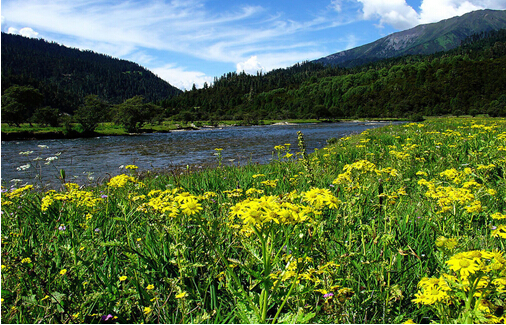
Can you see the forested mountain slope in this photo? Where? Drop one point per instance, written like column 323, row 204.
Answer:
column 470, row 79
column 65, row 75
column 423, row 39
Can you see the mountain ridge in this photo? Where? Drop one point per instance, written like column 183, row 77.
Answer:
column 421, row 40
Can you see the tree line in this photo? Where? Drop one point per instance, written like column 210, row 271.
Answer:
column 23, row 104
column 468, row 80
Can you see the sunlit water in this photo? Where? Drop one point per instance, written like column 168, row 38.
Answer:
column 91, row 160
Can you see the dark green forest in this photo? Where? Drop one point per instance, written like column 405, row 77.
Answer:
column 65, row 76
column 468, row 80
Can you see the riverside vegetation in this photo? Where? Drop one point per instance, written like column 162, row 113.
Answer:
column 399, row 224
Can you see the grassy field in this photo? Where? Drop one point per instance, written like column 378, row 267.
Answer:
column 397, row 224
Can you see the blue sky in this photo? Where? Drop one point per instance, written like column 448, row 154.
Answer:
column 192, row 41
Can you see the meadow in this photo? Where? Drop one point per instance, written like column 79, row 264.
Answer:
column 398, row 224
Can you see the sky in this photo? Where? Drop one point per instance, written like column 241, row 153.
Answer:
column 188, row 42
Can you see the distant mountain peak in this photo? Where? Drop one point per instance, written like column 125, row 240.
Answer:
column 422, row 39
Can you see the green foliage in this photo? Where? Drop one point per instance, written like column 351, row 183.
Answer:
column 132, row 114
column 13, row 112
column 463, row 81
column 92, row 113
column 19, row 103
column 66, row 75
column 46, row 116
column 417, row 118
column 384, row 211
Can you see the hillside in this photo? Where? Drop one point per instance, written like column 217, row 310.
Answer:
column 66, row 75
column 423, row 39
column 469, row 79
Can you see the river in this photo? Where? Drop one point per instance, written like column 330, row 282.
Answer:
column 91, row 160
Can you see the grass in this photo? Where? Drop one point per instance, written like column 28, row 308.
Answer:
column 25, row 127
column 343, row 235
column 113, row 129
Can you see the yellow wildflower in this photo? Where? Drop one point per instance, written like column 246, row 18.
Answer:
column 498, row 216
column 26, row 260
column 500, row 231
column 466, row 266
column 191, row 207
column 181, row 295
column 120, row 180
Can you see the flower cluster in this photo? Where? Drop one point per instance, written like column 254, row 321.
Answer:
column 18, row 192
column 500, row 230
column 285, row 210
column 478, row 282
column 452, row 195
column 121, row 180
column 353, row 173
column 172, row 202
column 80, row 198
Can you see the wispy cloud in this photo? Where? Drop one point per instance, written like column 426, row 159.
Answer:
column 124, row 28
column 155, row 32
column 179, row 26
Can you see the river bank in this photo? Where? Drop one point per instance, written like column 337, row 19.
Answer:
column 101, row 156
column 26, row 132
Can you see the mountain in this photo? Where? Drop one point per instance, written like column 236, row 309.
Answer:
column 469, row 79
column 423, row 39
column 66, row 75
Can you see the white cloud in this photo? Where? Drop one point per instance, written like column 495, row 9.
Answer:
column 188, row 27
column 436, row 10
column 26, row 32
column 400, row 15
column 250, row 66
column 396, row 13
column 181, row 78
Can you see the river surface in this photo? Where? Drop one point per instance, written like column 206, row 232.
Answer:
column 91, row 160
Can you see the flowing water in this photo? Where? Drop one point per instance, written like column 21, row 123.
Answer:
column 94, row 159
